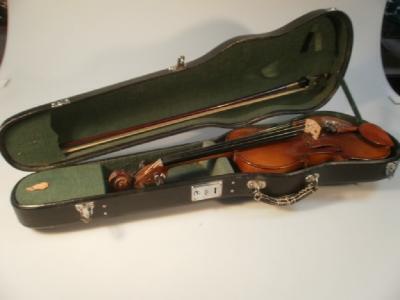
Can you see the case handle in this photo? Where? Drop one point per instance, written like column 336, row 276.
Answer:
column 257, row 185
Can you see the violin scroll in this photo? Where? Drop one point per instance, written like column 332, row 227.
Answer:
column 154, row 173
column 120, row 180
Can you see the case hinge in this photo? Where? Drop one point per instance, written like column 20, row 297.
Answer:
column 59, row 103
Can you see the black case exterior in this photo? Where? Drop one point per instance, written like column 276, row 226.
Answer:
column 235, row 187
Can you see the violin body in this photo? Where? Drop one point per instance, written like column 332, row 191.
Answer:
column 347, row 142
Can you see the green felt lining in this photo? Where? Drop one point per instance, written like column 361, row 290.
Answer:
column 318, row 45
column 64, row 184
column 88, row 180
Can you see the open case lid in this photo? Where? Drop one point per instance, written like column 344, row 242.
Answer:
column 317, row 43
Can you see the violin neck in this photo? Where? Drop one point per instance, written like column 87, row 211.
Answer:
column 155, row 172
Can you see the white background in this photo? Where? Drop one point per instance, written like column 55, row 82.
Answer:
column 340, row 243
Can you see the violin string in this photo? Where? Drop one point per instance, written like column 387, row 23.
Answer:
column 259, row 136
column 278, row 130
column 265, row 137
column 240, row 143
column 227, row 147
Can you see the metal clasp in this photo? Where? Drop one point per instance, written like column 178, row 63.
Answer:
column 255, row 185
column 391, row 168
column 85, row 211
column 180, row 64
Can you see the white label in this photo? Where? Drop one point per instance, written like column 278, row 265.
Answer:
column 207, row 190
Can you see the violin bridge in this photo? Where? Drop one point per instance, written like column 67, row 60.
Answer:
column 313, row 128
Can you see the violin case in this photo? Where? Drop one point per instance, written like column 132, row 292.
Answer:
column 319, row 42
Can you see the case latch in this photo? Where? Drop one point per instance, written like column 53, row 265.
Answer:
column 391, row 168
column 180, row 64
column 85, row 211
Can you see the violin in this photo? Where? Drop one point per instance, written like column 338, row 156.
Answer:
column 282, row 148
